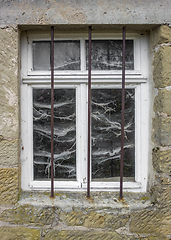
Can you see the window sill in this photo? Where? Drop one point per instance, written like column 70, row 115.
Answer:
column 95, row 186
column 69, row 200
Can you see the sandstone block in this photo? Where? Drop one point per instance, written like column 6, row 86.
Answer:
column 9, row 91
column 154, row 220
column 9, row 152
column 9, row 185
column 146, row 221
column 162, row 130
column 86, row 235
column 94, row 219
column 162, row 70
column 162, row 101
column 166, row 199
column 18, row 233
column 161, row 35
column 165, row 179
column 28, row 214
column 162, row 160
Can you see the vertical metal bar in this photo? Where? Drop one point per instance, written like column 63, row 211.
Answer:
column 122, row 117
column 89, row 114
column 52, row 110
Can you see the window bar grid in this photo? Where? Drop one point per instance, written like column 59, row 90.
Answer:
column 89, row 114
column 52, row 110
column 122, row 116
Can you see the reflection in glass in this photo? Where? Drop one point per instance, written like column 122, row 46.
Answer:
column 107, row 55
column 64, row 134
column 66, row 55
column 106, row 134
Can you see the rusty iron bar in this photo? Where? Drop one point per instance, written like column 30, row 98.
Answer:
column 122, row 115
column 89, row 114
column 52, row 110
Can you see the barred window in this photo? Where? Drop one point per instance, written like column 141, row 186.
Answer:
column 70, row 112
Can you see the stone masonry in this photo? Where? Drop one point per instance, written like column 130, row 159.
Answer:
column 71, row 215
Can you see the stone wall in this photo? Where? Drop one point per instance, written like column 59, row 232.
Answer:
column 142, row 216
column 150, row 218
column 161, row 135
column 9, row 116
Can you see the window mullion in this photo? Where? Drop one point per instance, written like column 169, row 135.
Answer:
column 82, row 133
column 122, row 116
column 52, row 111
column 89, row 115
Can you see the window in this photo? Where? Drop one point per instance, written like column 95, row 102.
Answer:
column 70, row 112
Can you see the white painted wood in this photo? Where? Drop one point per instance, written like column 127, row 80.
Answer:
column 137, row 79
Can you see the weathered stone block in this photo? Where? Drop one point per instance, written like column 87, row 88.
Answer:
column 9, row 91
column 165, row 200
column 146, row 221
column 9, row 152
column 162, row 130
column 162, row 70
column 161, row 35
column 165, row 179
column 17, row 233
column 161, row 160
column 162, row 101
column 28, row 214
column 93, row 235
column 165, row 226
column 9, row 185
column 154, row 220
column 94, row 219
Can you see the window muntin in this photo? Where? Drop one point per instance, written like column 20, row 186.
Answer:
column 135, row 79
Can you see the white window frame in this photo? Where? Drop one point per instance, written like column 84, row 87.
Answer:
column 137, row 78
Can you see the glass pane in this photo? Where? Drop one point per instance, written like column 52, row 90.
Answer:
column 64, row 134
column 66, row 55
column 107, row 55
column 106, row 134
column 41, row 55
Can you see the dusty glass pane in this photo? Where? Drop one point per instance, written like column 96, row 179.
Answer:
column 107, row 55
column 64, row 134
column 106, row 134
column 66, row 55
column 41, row 55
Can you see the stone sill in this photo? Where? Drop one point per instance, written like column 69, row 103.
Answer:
column 67, row 201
